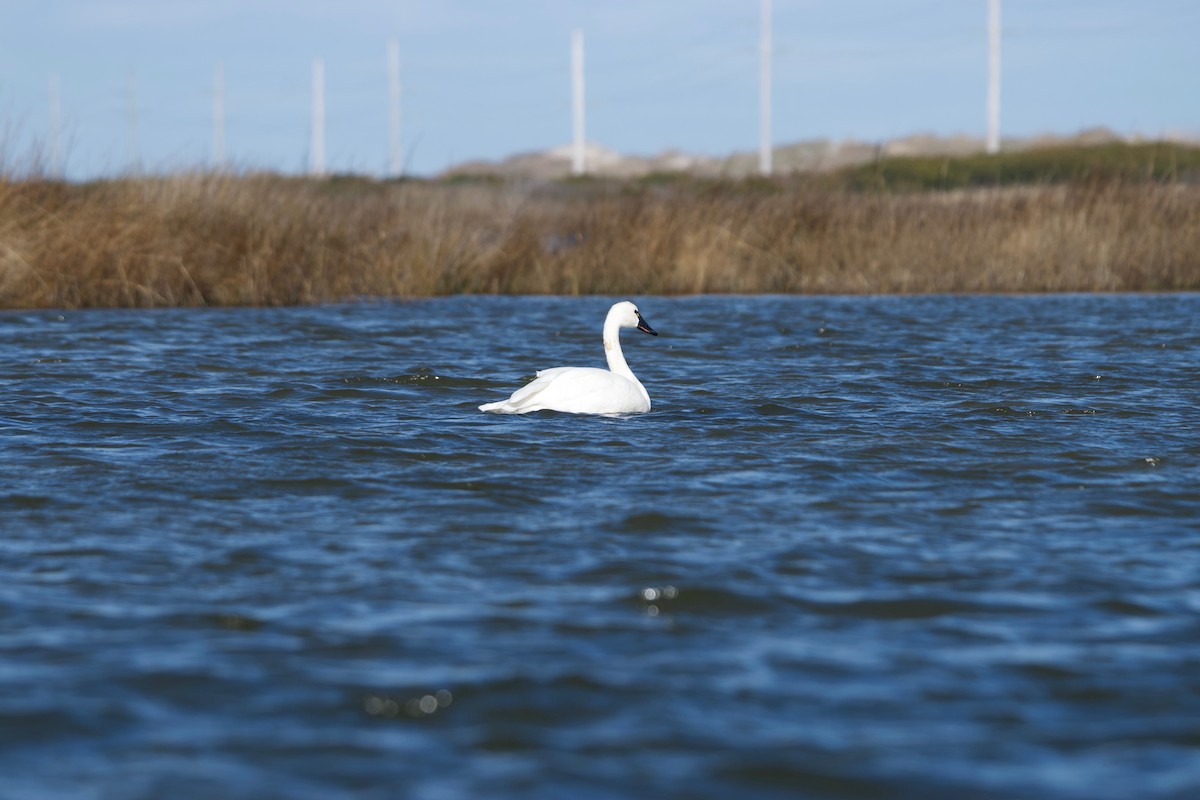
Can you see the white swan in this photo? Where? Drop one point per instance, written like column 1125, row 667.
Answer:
column 587, row 390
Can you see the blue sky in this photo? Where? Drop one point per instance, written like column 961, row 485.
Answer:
column 489, row 79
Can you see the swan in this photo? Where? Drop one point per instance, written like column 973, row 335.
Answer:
column 587, row 390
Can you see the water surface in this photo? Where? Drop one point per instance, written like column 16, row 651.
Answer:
column 861, row 547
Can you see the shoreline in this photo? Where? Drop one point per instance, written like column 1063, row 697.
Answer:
column 367, row 302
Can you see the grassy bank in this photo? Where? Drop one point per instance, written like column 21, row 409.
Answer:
column 265, row 240
column 1161, row 162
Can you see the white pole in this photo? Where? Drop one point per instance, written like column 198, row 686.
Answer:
column 578, row 165
column 56, row 161
column 316, row 165
column 218, row 153
column 764, row 89
column 993, row 96
column 395, row 156
column 132, row 155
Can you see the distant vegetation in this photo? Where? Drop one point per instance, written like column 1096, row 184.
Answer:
column 1108, row 218
column 1156, row 161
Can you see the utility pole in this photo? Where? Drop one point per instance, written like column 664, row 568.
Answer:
column 218, row 145
column 316, row 155
column 56, row 160
column 993, row 96
column 764, row 89
column 133, row 155
column 395, row 156
column 578, row 165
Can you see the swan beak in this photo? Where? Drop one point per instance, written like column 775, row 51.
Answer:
column 645, row 326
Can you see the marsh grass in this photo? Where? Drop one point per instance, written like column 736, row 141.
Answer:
column 219, row 239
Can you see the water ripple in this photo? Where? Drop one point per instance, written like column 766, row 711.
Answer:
column 906, row 547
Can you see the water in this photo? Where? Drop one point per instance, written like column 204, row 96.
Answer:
column 861, row 547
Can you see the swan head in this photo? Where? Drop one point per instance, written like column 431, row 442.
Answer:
column 626, row 315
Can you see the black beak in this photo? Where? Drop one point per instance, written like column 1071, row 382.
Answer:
column 645, row 326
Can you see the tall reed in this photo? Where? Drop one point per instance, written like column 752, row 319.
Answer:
column 215, row 239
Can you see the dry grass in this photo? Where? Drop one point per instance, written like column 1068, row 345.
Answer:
column 261, row 240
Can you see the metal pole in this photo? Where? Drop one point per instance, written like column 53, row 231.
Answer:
column 316, row 166
column 133, row 155
column 395, row 155
column 218, row 153
column 56, row 160
column 764, row 90
column 578, row 165
column 993, row 96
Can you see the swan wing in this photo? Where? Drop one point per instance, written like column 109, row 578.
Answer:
column 528, row 393
column 575, row 390
column 525, row 399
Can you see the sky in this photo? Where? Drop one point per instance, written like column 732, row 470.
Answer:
column 484, row 80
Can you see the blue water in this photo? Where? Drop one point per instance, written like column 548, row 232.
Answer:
column 861, row 547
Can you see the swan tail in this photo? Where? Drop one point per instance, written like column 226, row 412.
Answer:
column 519, row 403
column 526, row 399
column 508, row 407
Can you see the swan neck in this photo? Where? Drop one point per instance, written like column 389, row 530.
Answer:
column 616, row 359
column 612, row 351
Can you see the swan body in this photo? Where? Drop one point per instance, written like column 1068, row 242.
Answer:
column 587, row 390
